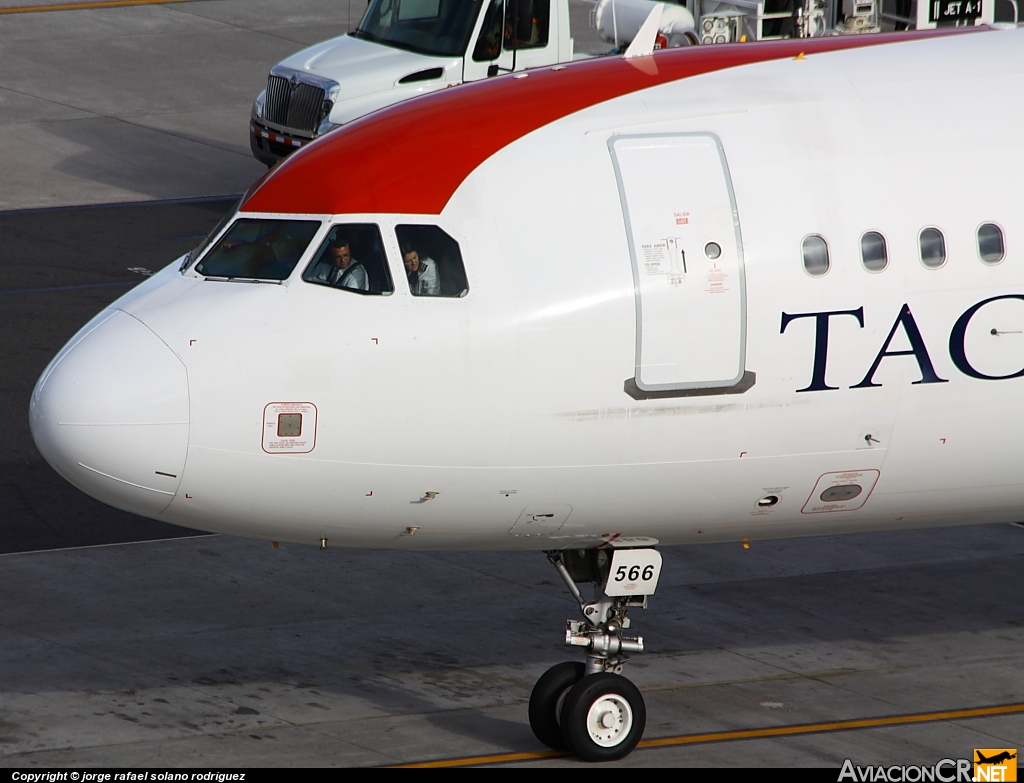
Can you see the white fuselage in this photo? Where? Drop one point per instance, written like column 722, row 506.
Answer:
column 510, row 403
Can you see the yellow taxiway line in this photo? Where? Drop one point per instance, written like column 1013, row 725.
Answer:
column 742, row 734
column 31, row 9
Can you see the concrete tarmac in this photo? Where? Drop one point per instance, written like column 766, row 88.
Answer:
column 226, row 652
column 142, row 102
column 127, row 642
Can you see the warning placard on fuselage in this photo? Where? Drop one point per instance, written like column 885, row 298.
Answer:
column 289, row 427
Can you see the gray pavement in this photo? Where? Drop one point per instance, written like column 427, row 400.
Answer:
column 221, row 652
column 121, row 647
column 145, row 102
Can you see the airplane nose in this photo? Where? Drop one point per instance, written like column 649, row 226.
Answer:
column 110, row 414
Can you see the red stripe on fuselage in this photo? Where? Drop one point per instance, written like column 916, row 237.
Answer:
column 411, row 157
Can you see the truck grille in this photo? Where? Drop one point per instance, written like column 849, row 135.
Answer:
column 297, row 108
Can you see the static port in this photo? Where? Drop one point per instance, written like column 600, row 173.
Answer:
column 768, row 501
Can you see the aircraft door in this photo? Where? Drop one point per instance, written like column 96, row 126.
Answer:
column 686, row 252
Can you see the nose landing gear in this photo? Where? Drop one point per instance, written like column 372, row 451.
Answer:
column 590, row 708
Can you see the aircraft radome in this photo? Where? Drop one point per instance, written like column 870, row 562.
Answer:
column 712, row 294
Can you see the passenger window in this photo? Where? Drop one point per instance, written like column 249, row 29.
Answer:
column 351, row 258
column 527, row 23
column 432, row 261
column 873, row 252
column 990, row 243
column 259, row 249
column 815, row 250
column 488, row 45
column 933, row 248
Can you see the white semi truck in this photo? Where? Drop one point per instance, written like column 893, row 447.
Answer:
column 405, row 48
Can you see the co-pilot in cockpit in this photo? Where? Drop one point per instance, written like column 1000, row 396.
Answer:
column 421, row 270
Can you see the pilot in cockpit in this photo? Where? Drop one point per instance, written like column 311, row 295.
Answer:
column 337, row 268
column 424, row 279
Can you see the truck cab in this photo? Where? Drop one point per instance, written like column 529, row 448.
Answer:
column 402, row 49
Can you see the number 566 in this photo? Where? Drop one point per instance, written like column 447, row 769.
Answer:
column 634, row 573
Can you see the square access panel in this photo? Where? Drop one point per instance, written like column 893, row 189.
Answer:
column 289, row 427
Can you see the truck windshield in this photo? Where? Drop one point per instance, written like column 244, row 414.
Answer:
column 438, row 27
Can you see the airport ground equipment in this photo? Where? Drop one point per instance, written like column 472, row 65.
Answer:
column 737, row 21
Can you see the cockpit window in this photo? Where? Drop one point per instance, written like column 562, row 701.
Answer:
column 259, row 249
column 351, row 258
column 437, row 27
column 432, row 261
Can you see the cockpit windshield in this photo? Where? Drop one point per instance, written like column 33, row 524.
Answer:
column 437, row 27
column 259, row 249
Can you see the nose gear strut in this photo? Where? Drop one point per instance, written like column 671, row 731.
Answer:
column 600, row 633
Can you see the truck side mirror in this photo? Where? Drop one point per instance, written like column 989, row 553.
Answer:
column 492, row 70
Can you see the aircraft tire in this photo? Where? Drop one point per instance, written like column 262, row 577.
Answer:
column 546, row 702
column 603, row 717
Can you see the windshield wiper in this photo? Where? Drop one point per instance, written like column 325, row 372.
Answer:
column 226, row 279
column 359, row 33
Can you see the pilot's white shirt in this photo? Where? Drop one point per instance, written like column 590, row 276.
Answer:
column 429, row 282
column 354, row 276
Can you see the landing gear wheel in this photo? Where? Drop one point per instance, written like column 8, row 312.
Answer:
column 546, row 702
column 603, row 717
